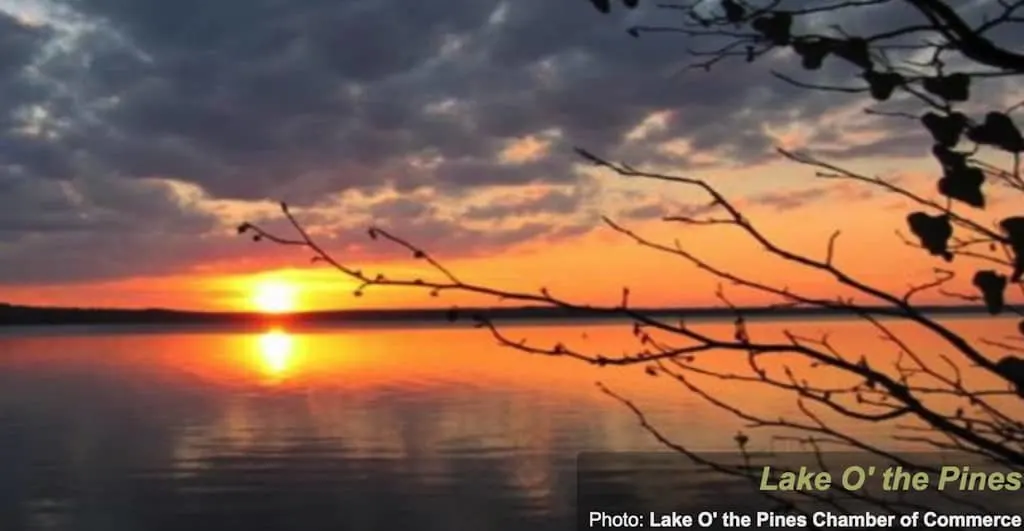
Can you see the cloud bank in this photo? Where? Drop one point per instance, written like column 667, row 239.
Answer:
column 134, row 132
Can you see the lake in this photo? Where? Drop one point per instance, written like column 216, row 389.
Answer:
column 349, row 429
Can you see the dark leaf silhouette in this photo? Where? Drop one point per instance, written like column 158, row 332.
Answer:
column 605, row 6
column 949, row 159
column 812, row 52
column 946, row 130
column 776, row 27
column 993, row 290
column 733, row 11
column 954, row 87
column 882, row 84
column 1014, row 229
column 933, row 232
column 1012, row 368
column 964, row 184
column 854, row 50
column 999, row 131
column 959, row 181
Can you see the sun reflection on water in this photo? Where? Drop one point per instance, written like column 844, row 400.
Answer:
column 276, row 353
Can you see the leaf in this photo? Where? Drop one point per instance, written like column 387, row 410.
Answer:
column 964, row 184
column 775, row 27
column 605, row 6
column 949, row 159
column 933, row 232
column 1012, row 368
column 733, row 11
column 993, row 290
column 813, row 52
column 954, row 87
column 946, row 130
column 854, row 50
column 883, row 84
column 1014, row 229
column 999, row 131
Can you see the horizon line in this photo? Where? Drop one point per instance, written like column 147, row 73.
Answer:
column 6, row 306
column 10, row 305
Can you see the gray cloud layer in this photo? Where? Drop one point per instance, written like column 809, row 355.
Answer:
column 301, row 99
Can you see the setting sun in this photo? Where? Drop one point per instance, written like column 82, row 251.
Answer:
column 274, row 296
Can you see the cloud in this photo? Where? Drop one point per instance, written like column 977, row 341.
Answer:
column 433, row 113
column 553, row 201
column 263, row 99
column 790, row 199
column 659, row 209
column 846, row 192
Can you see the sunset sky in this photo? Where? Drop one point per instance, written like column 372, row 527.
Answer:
column 137, row 135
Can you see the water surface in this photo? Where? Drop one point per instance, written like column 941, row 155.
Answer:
column 380, row 428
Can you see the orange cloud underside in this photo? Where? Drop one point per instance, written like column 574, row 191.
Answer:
column 593, row 268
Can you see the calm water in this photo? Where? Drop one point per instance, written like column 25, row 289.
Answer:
column 343, row 430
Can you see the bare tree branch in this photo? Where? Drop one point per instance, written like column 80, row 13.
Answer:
column 964, row 394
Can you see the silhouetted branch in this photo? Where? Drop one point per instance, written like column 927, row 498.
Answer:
column 911, row 65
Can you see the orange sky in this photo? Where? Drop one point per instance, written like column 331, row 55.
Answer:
column 590, row 268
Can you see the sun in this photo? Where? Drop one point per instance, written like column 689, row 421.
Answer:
column 274, row 296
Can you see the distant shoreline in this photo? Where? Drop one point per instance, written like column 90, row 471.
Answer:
column 23, row 316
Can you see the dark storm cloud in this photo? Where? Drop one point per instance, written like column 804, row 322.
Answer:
column 19, row 43
column 264, row 98
column 301, row 99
